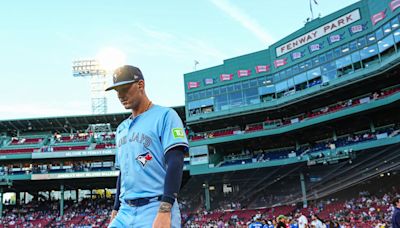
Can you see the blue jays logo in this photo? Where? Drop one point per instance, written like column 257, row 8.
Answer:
column 144, row 158
column 117, row 72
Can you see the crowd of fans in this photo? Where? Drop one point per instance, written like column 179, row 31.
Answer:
column 275, row 123
column 34, row 214
column 56, row 167
column 73, row 137
column 91, row 213
column 249, row 156
column 75, row 166
column 366, row 210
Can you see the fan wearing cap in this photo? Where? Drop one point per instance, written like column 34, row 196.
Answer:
column 150, row 147
column 281, row 220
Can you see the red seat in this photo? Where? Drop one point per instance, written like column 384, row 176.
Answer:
column 17, row 151
column 66, row 148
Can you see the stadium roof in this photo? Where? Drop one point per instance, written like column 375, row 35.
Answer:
column 66, row 123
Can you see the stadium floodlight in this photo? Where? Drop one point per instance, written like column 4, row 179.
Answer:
column 98, row 80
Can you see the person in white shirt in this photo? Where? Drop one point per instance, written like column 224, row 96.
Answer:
column 302, row 220
column 316, row 222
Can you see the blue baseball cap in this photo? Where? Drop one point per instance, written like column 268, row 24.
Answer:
column 125, row 75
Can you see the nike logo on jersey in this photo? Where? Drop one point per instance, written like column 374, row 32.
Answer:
column 144, row 158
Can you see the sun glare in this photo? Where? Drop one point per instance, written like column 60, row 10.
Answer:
column 110, row 59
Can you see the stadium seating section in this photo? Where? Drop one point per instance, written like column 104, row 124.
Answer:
column 269, row 124
column 58, row 142
column 366, row 210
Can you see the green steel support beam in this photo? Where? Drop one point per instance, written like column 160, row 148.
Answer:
column 334, row 136
column 207, row 196
column 303, row 190
column 1, row 202
column 62, row 200
column 18, row 198
column 372, row 126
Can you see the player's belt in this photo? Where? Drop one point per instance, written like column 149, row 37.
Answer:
column 142, row 201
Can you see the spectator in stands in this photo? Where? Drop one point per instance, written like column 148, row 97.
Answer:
column 375, row 96
column 396, row 213
column 332, row 224
column 325, row 109
column 316, row 222
column 256, row 224
column 281, row 220
column 302, row 220
column 220, row 224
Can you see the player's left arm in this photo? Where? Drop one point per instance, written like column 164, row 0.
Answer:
column 173, row 178
column 174, row 142
column 174, row 160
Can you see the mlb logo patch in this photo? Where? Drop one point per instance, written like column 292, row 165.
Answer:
column 178, row 133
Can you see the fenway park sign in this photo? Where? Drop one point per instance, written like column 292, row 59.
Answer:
column 319, row 32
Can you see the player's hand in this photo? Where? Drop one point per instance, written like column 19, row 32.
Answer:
column 113, row 214
column 162, row 220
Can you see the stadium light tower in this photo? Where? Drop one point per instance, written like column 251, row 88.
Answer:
column 106, row 61
column 98, row 82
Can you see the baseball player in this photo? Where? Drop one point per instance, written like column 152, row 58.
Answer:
column 150, row 150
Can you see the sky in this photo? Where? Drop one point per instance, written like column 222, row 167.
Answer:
column 40, row 39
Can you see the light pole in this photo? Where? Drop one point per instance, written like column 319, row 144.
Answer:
column 98, row 82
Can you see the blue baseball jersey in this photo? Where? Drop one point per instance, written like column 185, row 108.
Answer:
column 256, row 225
column 141, row 143
column 268, row 226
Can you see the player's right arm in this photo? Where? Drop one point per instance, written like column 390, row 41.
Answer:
column 117, row 203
